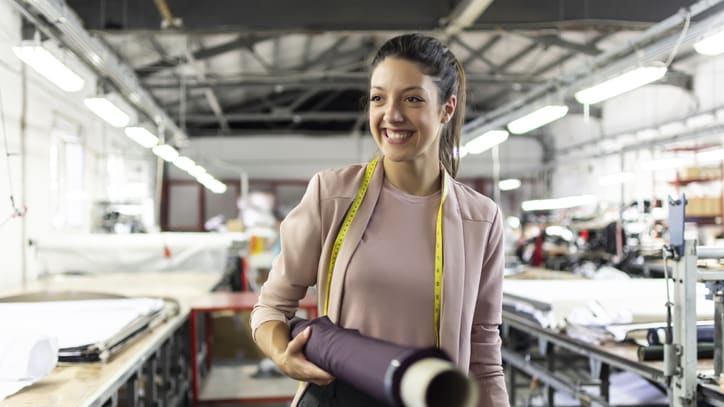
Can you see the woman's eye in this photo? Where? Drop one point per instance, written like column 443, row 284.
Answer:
column 375, row 98
column 413, row 99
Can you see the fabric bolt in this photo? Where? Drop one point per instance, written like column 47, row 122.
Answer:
column 472, row 272
column 364, row 362
column 395, row 255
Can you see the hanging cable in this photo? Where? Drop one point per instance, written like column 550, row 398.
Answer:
column 675, row 49
column 16, row 212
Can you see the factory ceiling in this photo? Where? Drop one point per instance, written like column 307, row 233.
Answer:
column 232, row 68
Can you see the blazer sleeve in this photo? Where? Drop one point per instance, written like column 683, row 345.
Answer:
column 485, row 358
column 295, row 268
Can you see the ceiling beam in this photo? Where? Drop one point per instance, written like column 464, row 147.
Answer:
column 242, row 41
column 348, row 80
column 555, row 40
column 211, row 97
column 479, row 53
column 463, row 15
column 279, row 115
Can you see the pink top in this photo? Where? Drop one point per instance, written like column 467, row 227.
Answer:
column 394, row 256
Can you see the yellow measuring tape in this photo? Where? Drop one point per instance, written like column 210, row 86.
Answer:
column 438, row 243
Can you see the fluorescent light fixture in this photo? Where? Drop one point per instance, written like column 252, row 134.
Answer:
column 513, row 222
column 205, row 177
column 184, row 163
column 196, row 171
column 701, row 120
column 663, row 163
column 558, row 203
column 509, row 184
column 616, row 178
column 47, row 65
column 142, row 136
column 671, row 128
column 720, row 114
column 538, row 118
column 488, row 140
column 108, row 111
column 647, row 134
column 710, row 156
column 711, row 44
column 620, row 84
column 626, row 139
column 461, row 152
column 563, row 232
column 609, row 145
column 165, row 151
column 216, row 187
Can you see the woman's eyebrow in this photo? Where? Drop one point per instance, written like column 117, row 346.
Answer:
column 414, row 87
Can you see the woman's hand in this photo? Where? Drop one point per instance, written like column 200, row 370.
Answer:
column 295, row 365
column 273, row 339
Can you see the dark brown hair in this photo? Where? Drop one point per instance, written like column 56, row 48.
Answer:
column 437, row 61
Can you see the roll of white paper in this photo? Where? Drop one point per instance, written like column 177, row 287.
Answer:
column 24, row 359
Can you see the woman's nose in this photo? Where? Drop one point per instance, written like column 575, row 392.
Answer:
column 393, row 114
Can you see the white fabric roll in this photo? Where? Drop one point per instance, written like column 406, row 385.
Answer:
column 24, row 359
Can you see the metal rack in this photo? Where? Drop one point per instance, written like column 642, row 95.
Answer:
column 680, row 356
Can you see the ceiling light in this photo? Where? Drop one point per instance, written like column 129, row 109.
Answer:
column 701, row 120
column 216, row 187
column 509, row 184
column 558, row 203
column 142, row 136
column 663, row 163
column 621, row 84
column 108, row 111
column 711, row 44
column 538, row 118
column 184, row 163
column 488, row 140
column 671, row 128
column 50, row 67
column 710, row 156
column 616, row 178
column 461, row 152
column 196, row 171
column 647, row 134
column 165, row 151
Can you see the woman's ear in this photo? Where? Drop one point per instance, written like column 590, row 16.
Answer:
column 448, row 109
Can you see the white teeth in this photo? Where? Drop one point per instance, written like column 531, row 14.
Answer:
column 398, row 135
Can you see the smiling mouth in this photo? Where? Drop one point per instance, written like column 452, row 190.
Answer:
column 398, row 135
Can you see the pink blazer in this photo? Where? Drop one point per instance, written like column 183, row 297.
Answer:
column 472, row 273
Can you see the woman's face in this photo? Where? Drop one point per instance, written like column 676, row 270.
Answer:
column 405, row 115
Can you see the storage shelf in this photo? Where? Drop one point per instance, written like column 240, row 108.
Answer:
column 681, row 182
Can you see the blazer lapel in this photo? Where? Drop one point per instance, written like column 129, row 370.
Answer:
column 453, row 273
column 351, row 241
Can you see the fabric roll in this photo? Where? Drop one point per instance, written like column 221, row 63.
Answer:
column 704, row 350
column 657, row 336
column 373, row 366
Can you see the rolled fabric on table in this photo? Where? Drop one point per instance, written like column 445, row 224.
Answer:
column 397, row 375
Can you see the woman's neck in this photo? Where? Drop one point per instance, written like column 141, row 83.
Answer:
column 412, row 177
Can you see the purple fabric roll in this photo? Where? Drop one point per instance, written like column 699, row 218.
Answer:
column 371, row 365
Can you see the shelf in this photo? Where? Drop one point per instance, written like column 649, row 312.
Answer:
column 704, row 220
column 680, row 182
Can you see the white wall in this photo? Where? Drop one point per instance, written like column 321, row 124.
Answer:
column 35, row 176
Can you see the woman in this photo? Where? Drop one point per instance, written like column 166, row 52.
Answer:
column 404, row 224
